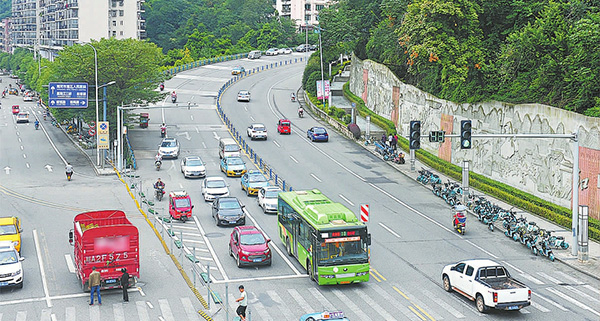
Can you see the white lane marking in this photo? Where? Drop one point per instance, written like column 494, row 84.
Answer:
column 444, row 305
column 259, row 308
column 21, row 316
column 180, row 185
column 212, row 251
column 389, row 230
column 22, row 148
column 577, row 303
column 20, row 140
column 149, row 304
column 45, row 315
column 568, row 277
column 142, row 293
column 283, row 307
column 188, row 308
column 204, row 145
column 315, row 177
column 165, row 308
column 192, row 118
column 264, row 278
column 94, row 313
column 273, row 246
column 24, row 156
column 52, row 317
column 549, row 278
column 591, row 288
column 27, row 164
column 345, row 199
column 351, row 305
column 118, row 313
column 512, row 267
column 568, row 287
column 481, row 249
column 70, row 264
column 42, row 269
column 531, row 278
column 142, row 311
column 215, row 136
column 322, row 299
column 295, row 160
column 378, row 308
column 276, row 143
column 70, row 314
column 539, row 307
column 550, row 301
column 523, row 311
column 300, row 300
column 197, row 129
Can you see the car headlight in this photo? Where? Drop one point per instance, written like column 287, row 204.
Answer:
column 245, row 253
column 362, row 273
column 16, row 273
column 15, row 243
column 327, row 276
column 267, row 251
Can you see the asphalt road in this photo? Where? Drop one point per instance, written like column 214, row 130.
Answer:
column 33, row 187
column 412, row 234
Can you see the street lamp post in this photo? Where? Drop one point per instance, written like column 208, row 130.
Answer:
column 96, row 79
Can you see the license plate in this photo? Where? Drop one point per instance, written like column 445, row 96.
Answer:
column 513, row 307
column 232, row 222
column 111, row 281
column 3, row 283
column 257, row 260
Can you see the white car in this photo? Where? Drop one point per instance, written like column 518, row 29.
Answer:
column 243, row 95
column 272, row 52
column 257, row 131
column 27, row 98
column 285, row 51
column 169, row 147
column 193, row 166
column 214, row 187
column 23, row 117
column 267, row 198
column 11, row 270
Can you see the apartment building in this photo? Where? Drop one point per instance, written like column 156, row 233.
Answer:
column 5, row 44
column 50, row 25
column 301, row 11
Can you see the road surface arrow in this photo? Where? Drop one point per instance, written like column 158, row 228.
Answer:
column 7, row 170
column 216, row 136
column 186, row 134
column 48, row 167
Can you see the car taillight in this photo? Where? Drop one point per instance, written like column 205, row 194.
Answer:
column 529, row 295
column 495, row 294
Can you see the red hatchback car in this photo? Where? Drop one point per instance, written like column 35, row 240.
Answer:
column 284, row 126
column 249, row 246
column 15, row 109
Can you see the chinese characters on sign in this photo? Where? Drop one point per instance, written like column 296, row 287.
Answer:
column 320, row 89
column 67, row 95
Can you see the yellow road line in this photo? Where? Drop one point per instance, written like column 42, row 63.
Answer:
column 415, row 312
column 374, row 276
column 377, row 272
column 427, row 314
column 402, row 294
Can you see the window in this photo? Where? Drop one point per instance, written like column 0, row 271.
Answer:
column 120, row 3
column 304, row 235
column 319, row 6
column 121, row 22
column 114, row 33
column 460, row 268
column 307, row 17
column 121, row 13
column 113, row 13
column 114, row 23
column 469, row 270
column 307, row 7
column 113, row 3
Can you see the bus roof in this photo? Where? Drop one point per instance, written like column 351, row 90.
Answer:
column 319, row 210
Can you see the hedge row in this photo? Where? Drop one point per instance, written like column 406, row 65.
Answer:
column 523, row 200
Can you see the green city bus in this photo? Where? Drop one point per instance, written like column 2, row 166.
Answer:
column 325, row 237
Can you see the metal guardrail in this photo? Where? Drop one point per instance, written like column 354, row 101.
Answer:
column 200, row 63
column 252, row 155
column 340, row 127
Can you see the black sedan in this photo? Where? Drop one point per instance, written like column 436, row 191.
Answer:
column 228, row 211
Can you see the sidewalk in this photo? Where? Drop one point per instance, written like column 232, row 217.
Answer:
column 591, row 267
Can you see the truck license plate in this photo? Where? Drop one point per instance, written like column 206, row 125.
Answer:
column 111, row 281
column 513, row 307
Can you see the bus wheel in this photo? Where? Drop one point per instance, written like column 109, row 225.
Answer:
column 288, row 247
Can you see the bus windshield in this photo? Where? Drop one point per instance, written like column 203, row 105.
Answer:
column 342, row 250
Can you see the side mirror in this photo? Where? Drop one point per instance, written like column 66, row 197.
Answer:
column 453, row 268
column 192, row 206
column 268, row 240
column 71, row 237
column 21, row 259
column 243, row 206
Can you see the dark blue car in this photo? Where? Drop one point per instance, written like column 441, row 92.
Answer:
column 317, row 134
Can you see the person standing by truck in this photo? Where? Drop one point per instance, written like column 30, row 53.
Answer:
column 125, row 284
column 95, row 286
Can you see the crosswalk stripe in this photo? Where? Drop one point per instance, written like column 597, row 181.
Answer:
column 431, row 314
column 259, row 308
column 300, row 300
column 183, row 227
column 142, row 311
column 285, row 310
column 351, row 305
column 577, row 303
column 21, row 316
column 322, row 299
column 165, row 308
column 118, row 312
column 531, row 278
column 581, row 293
column 549, row 278
column 46, row 315
column 407, row 313
column 94, row 312
column 568, row 277
column 0, row 316
column 374, row 305
column 188, row 308
column 591, row 288
column 70, row 314
column 550, row 301
column 444, row 305
column 539, row 307
column 524, row 311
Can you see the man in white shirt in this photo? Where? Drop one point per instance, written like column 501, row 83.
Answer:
column 241, row 310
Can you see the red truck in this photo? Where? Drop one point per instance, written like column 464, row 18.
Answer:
column 108, row 241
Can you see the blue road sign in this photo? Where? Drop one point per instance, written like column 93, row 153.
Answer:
column 68, row 95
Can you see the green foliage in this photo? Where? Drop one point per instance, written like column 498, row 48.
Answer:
column 376, row 119
column 5, row 8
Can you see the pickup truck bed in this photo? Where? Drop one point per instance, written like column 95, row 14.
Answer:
column 503, row 283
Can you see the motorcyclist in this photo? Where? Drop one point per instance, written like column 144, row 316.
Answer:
column 300, row 112
column 293, row 97
column 162, row 86
column 158, row 160
column 163, row 130
column 37, row 124
column 173, row 96
column 159, row 187
column 69, row 170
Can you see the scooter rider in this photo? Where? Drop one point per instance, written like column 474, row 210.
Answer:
column 293, row 97
column 37, row 124
column 159, row 187
column 158, row 160
column 69, row 170
column 173, row 96
column 300, row 112
column 163, row 130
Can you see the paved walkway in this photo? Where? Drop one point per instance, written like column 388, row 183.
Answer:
column 591, row 267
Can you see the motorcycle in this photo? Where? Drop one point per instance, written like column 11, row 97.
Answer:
column 157, row 164
column 293, row 97
column 69, row 174
column 162, row 87
column 300, row 112
column 163, row 132
column 459, row 219
column 37, row 126
column 174, row 98
column 159, row 192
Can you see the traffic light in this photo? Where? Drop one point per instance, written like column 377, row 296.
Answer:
column 437, row 136
column 465, row 134
column 415, row 134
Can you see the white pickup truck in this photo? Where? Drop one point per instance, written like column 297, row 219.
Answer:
column 487, row 283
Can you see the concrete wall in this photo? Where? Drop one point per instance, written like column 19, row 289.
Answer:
column 542, row 167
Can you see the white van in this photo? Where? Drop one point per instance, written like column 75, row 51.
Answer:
column 255, row 54
column 228, row 147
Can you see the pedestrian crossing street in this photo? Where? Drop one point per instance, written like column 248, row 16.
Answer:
column 555, row 294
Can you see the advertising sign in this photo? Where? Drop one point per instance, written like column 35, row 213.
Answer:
column 68, row 95
column 320, row 89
